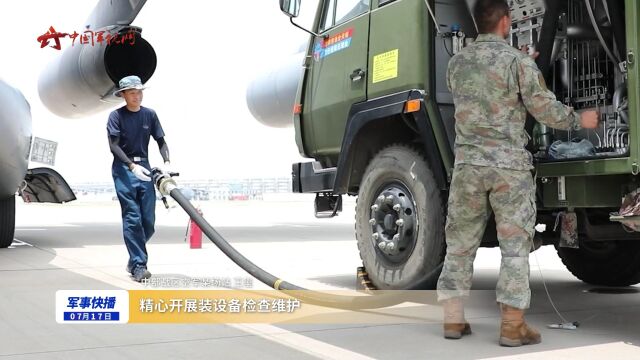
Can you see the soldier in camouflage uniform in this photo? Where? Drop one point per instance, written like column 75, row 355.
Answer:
column 494, row 86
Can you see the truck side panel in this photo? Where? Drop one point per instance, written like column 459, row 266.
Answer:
column 397, row 26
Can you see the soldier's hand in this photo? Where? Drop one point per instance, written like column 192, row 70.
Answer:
column 589, row 119
column 525, row 50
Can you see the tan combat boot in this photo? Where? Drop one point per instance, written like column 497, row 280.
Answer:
column 514, row 331
column 454, row 323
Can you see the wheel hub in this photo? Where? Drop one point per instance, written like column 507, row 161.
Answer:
column 393, row 222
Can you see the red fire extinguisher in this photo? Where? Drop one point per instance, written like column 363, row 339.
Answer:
column 194, row 233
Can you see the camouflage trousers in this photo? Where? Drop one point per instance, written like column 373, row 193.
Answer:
column 475, row 192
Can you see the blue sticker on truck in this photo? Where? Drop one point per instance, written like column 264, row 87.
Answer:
column 333, row 44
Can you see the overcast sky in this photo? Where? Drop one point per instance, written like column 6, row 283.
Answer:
column 208, row 51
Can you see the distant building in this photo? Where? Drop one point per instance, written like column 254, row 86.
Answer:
column 203, row 190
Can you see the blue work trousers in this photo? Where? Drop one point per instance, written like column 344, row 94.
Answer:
column 138, row 203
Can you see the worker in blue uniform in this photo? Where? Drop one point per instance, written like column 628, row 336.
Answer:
column 130, row 129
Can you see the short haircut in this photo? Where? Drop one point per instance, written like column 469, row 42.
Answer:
column 488, row 13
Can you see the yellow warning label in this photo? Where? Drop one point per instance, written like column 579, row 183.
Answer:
column 385, row 66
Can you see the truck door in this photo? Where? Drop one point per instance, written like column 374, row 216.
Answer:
column 338, row 70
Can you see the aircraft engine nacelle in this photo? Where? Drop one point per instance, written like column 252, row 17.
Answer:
column 15, row 138
column 81, row 81
column 270, row 97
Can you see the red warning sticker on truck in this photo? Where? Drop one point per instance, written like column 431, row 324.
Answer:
column 333, row 44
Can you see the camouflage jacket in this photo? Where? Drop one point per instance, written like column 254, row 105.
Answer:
column 494, row 86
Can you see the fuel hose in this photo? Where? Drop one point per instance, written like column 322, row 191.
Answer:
column 168, row 187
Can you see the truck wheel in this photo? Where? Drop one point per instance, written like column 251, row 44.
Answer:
column 400, row 221
column 610, row 263
column 7, row 221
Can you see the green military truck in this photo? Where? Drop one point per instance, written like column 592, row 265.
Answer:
column 373, row 110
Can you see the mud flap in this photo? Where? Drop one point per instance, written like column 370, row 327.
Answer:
column 327, row 205
column 568, row 230
column 44, row 185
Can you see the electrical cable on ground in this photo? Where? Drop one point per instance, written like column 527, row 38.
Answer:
column 566, row 325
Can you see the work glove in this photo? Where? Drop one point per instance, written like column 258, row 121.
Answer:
column 140, row 172
column 166, row 168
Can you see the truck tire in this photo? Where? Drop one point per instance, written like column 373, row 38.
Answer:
column 610, row 263
column 399, row 175
column 7, row 221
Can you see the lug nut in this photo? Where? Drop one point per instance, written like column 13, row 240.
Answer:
column 372, row 221
column 397, row 207
column 396, row 237
column 390, row 246
column 382, row 245
column 381, row 198
column 389, row 199
column 374, row 208
column 400, row 222
column 376, row 236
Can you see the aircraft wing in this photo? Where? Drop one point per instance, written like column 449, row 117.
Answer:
column 114, row 12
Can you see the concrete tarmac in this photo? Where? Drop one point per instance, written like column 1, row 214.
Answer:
column 79, row 246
